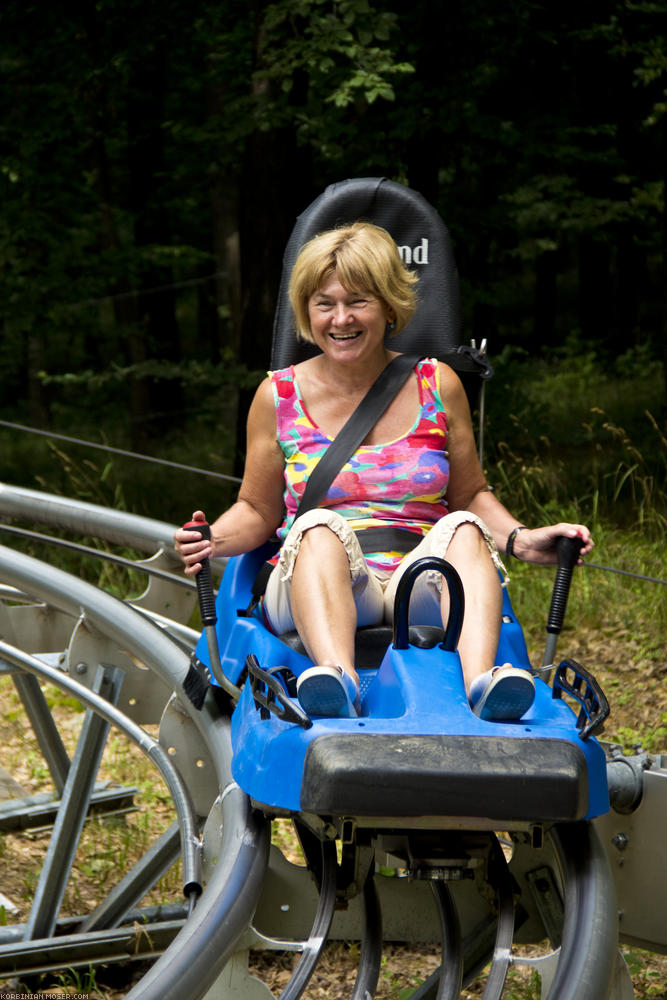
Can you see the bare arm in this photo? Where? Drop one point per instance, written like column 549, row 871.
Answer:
column 468, row 489
column 258, row 511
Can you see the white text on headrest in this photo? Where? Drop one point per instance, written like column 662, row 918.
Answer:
column 415, row 255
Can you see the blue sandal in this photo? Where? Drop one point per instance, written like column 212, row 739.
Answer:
column 327, row 691
column 502, row 696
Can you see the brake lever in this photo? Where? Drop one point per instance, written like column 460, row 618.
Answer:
column 567, row 550
column 208, row 613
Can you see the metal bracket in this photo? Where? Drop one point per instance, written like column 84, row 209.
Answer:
column 270, row 696
column 579, row 684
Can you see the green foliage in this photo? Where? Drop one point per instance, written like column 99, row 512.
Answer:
column 149, row 180
column 523, row 987
column 84, row 983
column 653, row 740
column 335, row 46
column 553, row 445
column 554, row 205
column 648, row 981
column 189, row 373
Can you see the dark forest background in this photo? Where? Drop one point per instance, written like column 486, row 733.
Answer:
column 154, row 157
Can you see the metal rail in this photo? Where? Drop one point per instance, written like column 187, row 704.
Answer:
column 451, row 968
column 202, row 949
column 312, row 949
column 590, row 930
column 177, row 787
column 122, row 624
column 370, row 958
column 83, row 518
column 500, row 876
column 197, row 956
column 88, row 550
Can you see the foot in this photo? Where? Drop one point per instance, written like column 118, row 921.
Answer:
column 502, row 694
column 328, row 691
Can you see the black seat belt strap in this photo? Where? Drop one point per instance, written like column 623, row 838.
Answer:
column 356, row 428
column 388, row 539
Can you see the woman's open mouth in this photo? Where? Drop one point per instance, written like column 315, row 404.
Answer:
column 345, row 336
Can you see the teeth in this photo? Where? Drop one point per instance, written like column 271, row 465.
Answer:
column 345, row 336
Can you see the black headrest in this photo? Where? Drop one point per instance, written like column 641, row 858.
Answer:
column 423, row 239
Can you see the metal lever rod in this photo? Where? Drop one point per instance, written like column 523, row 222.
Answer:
column 568, row 550
column 208, row 613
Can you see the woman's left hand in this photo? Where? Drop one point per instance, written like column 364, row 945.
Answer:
column 538, row 545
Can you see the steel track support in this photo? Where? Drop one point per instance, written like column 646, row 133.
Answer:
column 237, row 983
column 34, row 812
column 44, row 728
column 194, row 965
column 121, row 944
column 137, row 882
column 72, row 812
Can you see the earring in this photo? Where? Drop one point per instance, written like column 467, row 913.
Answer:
column 391, row 326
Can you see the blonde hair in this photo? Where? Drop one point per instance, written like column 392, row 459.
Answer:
column 364, row 258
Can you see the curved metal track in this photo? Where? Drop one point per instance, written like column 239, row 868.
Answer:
column 223, row 912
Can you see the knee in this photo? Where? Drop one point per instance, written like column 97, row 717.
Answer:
column 324, row 536
column 319, row 517
column 467, row 539
column 318, row 535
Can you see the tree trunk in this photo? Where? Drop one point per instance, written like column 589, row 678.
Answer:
column 156, row 313
column 595, row 290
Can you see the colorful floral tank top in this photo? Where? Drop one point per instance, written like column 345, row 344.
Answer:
column 399, row 484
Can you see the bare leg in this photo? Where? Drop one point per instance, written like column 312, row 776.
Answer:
column 322, row 602
column 468, row 554
column 502, row 692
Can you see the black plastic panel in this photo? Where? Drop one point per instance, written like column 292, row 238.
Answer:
column 492, row 777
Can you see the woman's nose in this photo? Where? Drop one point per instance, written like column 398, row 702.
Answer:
column 342, row 313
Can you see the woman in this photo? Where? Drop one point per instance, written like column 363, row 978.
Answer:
column 417, row 469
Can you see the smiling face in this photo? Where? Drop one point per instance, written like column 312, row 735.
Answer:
column 347, row 325
column 365, row 259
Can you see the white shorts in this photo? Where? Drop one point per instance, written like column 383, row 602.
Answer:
column 373, row 590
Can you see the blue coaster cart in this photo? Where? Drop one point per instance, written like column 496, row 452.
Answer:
column 417, row 785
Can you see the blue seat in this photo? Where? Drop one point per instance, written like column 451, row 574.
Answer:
column 417, row 749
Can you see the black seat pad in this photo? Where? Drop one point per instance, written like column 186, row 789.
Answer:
column 371, row 642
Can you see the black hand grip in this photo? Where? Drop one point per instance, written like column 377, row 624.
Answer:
column 401, row 628
column 204, row 581
column 568, row 550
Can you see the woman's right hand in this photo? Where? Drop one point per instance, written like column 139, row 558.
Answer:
column 192, row 547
